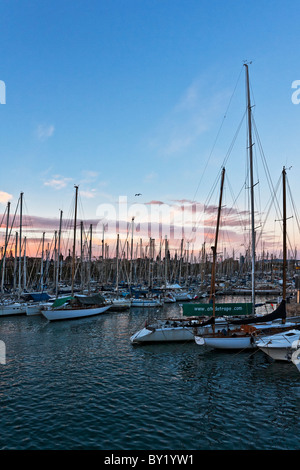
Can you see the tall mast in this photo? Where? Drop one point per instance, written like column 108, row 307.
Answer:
column 214, row 250
column 251, row 187
column 42, row 263
column 5, row 249
column 284, row 234
column 74, row 240
column 90, row 259
column 25, row 266
column 20, row 242
column 58, row 255
column 117, row 266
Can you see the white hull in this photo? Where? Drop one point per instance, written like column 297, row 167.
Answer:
column 12, row 309
column 160, row 335
column 68, row 314
column 296, row 359
column 33, row 310
column 145, row 303
column 278, row 354
column 281, row 346
column 181, row 296
column 240, row 340
column 244, row 342
column 164, row 333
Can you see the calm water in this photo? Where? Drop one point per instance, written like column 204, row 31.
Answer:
column 82, row 385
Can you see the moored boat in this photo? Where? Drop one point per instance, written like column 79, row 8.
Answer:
column 76, row 307
column 280, row 346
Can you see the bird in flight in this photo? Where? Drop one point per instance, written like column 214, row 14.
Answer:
column 138, row 194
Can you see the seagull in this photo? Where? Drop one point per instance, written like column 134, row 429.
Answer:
column 138, row 194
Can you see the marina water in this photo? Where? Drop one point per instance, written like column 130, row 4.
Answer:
column 81, row 385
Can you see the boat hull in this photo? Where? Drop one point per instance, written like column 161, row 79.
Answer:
column 33, row 310
column 227, row 342
column 278, row 354
column 162, row 335
column 296, row 358
column 280, row 347
column 241, row 339
column 13, row 309
column 146, row 303
column 69, row 314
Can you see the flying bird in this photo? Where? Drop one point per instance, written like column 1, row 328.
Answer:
column 138, row 194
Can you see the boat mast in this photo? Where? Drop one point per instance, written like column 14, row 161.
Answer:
column 5, row 249
column 74, row 240
column 117, row 266
column 90, row 260
column 58, row 255
column 20, row 244
column 214, row 250
column 284, row 236
column 251, row 187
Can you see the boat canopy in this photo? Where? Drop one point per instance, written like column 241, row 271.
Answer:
column 96, row 299
column 36, row 296
column 279, row 312
column 61, row 301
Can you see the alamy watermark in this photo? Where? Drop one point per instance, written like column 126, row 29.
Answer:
column 154, row 220
column 2, row 92
column 296, row 94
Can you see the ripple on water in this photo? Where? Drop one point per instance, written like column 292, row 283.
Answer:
column 82, row 385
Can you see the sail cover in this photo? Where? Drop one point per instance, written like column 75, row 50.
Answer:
column 279, row 312
column 96, row 299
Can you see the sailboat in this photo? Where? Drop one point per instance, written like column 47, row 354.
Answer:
column 77, row 306
column 281, row 346
column 12, row 307
column 296, row 359
column 181, row 329
column 244, row 337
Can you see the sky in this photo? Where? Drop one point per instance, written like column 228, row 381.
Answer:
column 126, row 97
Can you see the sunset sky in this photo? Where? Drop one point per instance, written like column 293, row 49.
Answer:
column 123, row 97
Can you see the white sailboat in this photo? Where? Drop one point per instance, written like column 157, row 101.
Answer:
column 296, row 358
column 244, row 336
column 146, row 302
column 69, row 308
column 281, row 346
column 175, row 330
column 13, row 308
column 76, row 306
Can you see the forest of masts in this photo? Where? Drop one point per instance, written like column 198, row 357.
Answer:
column 151, row 265
column 154, row 263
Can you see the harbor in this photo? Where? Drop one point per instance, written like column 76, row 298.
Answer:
column 81, row 385
column 149, row 230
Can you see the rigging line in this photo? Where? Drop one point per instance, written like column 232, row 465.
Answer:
column 218, row 133
column 3, row 216
column 268, row 212
column 293, row 204
column 224, row 163
column 264, row 161
column 211, row 192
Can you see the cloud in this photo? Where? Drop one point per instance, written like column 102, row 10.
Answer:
column 193, row 115
column 150, row 177
column 57, row 182
column 5, row 197
column 154, row 202
column 89, row 176
column 89, row 194
column 44, row 132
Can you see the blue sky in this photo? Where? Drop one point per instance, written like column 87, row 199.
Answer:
column 126, row 96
